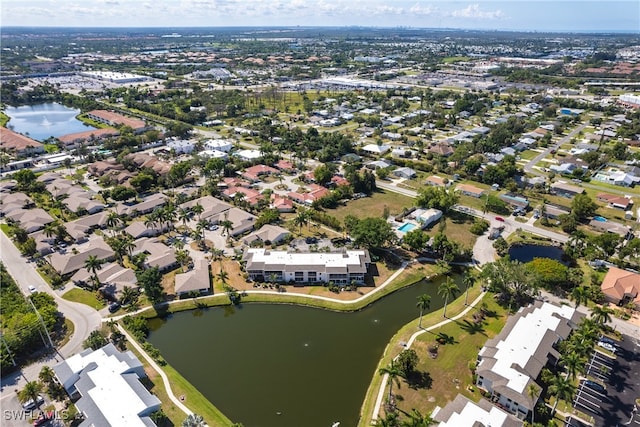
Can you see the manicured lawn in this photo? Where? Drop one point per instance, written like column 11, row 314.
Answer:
column 5, row 228
column 84, row 297
column 373, row 206
column 456, row 230
column 395, row 346
column 449, row 371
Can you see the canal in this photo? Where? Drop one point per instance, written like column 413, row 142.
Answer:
column 284, row 365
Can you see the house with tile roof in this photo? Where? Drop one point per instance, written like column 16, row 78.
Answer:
column 196, row 280
column 19, row 145
column 621, row 287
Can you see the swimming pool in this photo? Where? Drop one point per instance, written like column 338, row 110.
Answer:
column 599, row 218
column 407, row 226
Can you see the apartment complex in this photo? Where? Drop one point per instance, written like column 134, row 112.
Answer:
column 341, row 268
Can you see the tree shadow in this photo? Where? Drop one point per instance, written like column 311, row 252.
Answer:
column 444, row 339
column 419, row 380
column 473, row 327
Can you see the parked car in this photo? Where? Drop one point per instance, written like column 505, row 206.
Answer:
column 595, row 386
column 607, row 346
column 113, row 307
column 499, row 218
column 32, row 289
column 608, row 340
column 43, row 419
column 32, row 404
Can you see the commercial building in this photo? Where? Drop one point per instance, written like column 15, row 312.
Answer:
column 341, row 268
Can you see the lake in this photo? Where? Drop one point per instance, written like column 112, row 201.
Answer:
column 285, row 365
column 41, row 121
column 527, row 252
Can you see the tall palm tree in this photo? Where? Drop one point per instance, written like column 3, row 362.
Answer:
column 533, row 391
column 601, row 315
column 468, row 281
column 573, row 363
column 170, row 214
column 198, row 210
column 223, row 276
column 93, row 265
column 302, row 218
column 448, row 289
column 129, row 296
column 580, row 295
column 424, row 302
column 561, row 388
column 50, row 229
column 394, row 373
column 113, row 220
column 227, row 226
column 184, row 216
column 31, row 391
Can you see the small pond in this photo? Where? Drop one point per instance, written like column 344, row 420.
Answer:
column 527, row 252
column 41, row 121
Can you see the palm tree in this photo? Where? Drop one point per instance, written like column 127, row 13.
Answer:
column 223, row 276
column 417, row 419
column 128, row 296
column 561, row 388
column 573, row 363
column 580, row 295
column 601, row 315
column 93, row 265
column 198, row 210
column 194, row 420
column 302, row 218
column 184, row 215
column 448, row 289
column 129, row 246
column 31, row 391
column 533, row 391
column 113, row 220
column 169, row 216
column 46, row 375
column 393, row 372
column 182, row 256
column 424, row 302
column 468, row 281
column 50, row 229
column 227, row 226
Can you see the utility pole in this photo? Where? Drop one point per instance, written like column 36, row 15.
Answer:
column 8, row 349
column 41, row 323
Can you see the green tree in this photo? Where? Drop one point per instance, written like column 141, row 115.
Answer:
column 394, row 373
column 583, row 206
column 95, row 340
column 415, row 239
column 194, row 420
column 437, row 198
column 447, row 290
column 573, row 363
column 562, row 388
column 267, row 216
column 550, row 272
column 93, row 265
column 46, row 375
column 601, row 314
column 424, row 303
column 301, row 218
column 407, row 362
column 580, row 295
column 533, row 391
column 150, row 280
column 31, row 391
column 371, row 232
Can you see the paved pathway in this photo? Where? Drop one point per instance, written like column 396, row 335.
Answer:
column 385, row 378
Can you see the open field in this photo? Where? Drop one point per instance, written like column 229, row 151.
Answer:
column 373, row 206
column 84, row 297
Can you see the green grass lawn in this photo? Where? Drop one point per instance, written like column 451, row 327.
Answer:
column 373, row 206
column 83, row 297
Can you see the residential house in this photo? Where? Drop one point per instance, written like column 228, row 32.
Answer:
column 470, row 190
column 563, row 189
column 249, row 195
column 462, row 412
column 181, row 146
column 281, row 204
column 316, row 192
column 80, row 228
column 71, row 261
column 614, row 201
column 138, row 229
column 378, row 164
column 241, row 221
column 621, row 287
column 147, row 205
column 376, row 149
column 249, row 155
column 107, row 389
column 514, row 201
column 341, row 268
column 618, row 177
column 555, row 211
column 19, row 145
column 426, row 217
column 30, row 219
column 268, row 233
column 254, row 173
column 197, row 280
column 285, row 166
column 338, row 180
column 609, row 226
column 441, row 149
column 104, row 167
column 511, row 362
column 437, row 181
column 144, row 160
column 212, row 207
column 404, row 172
column 224, row 145
column 158, row 254
column 112, row 276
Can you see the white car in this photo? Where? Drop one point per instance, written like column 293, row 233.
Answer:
column 607, row 346
column 32, row 289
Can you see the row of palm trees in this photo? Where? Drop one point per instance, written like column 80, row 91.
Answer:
column 447, row 290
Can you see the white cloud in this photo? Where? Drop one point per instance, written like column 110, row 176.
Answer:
column 473, row 11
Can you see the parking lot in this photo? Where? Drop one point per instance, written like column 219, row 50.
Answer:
column 615, row 406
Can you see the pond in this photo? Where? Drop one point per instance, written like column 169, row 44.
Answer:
column 41, row 121
column 527, row 252
column 286, row 365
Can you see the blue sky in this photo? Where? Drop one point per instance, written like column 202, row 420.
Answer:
column 540, row 15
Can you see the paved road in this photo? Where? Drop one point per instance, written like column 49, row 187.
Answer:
column 529, row 167
column 84, row 318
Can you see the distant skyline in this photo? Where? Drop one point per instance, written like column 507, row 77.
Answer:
column 519, row 15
